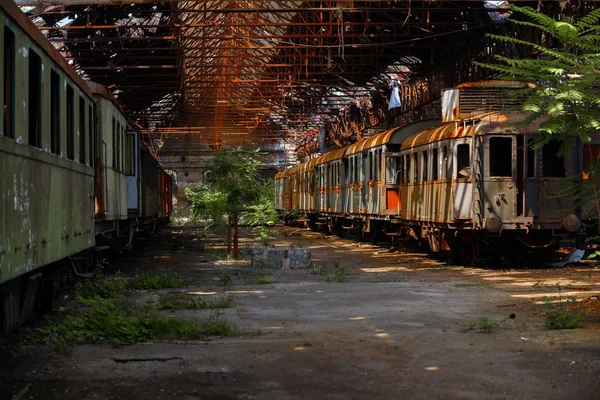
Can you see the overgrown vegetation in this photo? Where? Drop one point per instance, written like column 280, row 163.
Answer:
column 338, row 274
column 481, row 325
column 264, row 280
column 186, row 301
column 101, row 312
column 562, row 312
column 120, row 322
column 152, row 281
column 235, row 192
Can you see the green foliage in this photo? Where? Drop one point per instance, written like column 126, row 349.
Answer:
column 185, row 301
column 561, row 312
column 264, row 280
column 566, row 74
column 152, row 281
column 120, row 322
column 102, row 287
column 337, row 275
column 206, row 205
column 262, row 211
column 232, row 187
column 481, row 325
column 225, row 278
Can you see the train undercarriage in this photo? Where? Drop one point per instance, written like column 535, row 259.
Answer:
column 458, row 244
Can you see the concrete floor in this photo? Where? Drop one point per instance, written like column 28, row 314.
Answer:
column 393, row 331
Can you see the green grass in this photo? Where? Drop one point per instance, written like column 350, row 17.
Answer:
column 121, row 322
column 118, row 286
column 481, row 325
column 337, row 275
column 264, row 280
column 185, row 301
column 152, row 281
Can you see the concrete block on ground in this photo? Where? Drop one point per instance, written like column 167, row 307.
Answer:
column 281, row 257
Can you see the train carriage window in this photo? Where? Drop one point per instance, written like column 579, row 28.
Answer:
column 390, row 170
column 114, row 143
column 416, row 167
column 54, row 112
column 82, row 133
column 9, row 83
column 591, row 156
column 35, row 99
column 500, row 156
column 445, row 163
column 118, row 145
column 554, row 164
column 435, row 165
column 530, row 159
column 408, row 169
column 123, row 148
column 91, row 134
column 365, row 167
column 463, row 162
column 70, row 123
column 425, row 167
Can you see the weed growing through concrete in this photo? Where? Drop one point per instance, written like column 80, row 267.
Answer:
column 121, row 322
column 186, row 301
column 225, row 278
column 337, row 275
column 103, row 287
column 264, row 280
column 562, row 312
column 481, row 324
column 152, row 281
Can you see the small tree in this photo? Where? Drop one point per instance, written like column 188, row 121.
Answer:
column 566, row 74
column 233, row 188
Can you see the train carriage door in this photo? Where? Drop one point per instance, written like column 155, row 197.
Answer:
column 502, row 184
column 393, row 172
column 462, row 184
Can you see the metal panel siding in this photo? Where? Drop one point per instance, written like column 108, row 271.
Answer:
column 46, row 208
column 113, row 183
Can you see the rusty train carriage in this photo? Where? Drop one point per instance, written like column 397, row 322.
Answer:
column 110, row 139
column 474, row 175
column 47, row 176
column 69, row 156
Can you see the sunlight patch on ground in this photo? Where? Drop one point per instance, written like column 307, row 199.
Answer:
column 383, row 269
column 202, row 293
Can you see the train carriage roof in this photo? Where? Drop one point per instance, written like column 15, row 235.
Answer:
column 13, row 11
column 332, row 155
column 394, row 136
column 486, row 123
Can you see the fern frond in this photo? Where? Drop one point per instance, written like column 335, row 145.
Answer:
column 589, row 20
column 539, row 47
column 545, row 21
